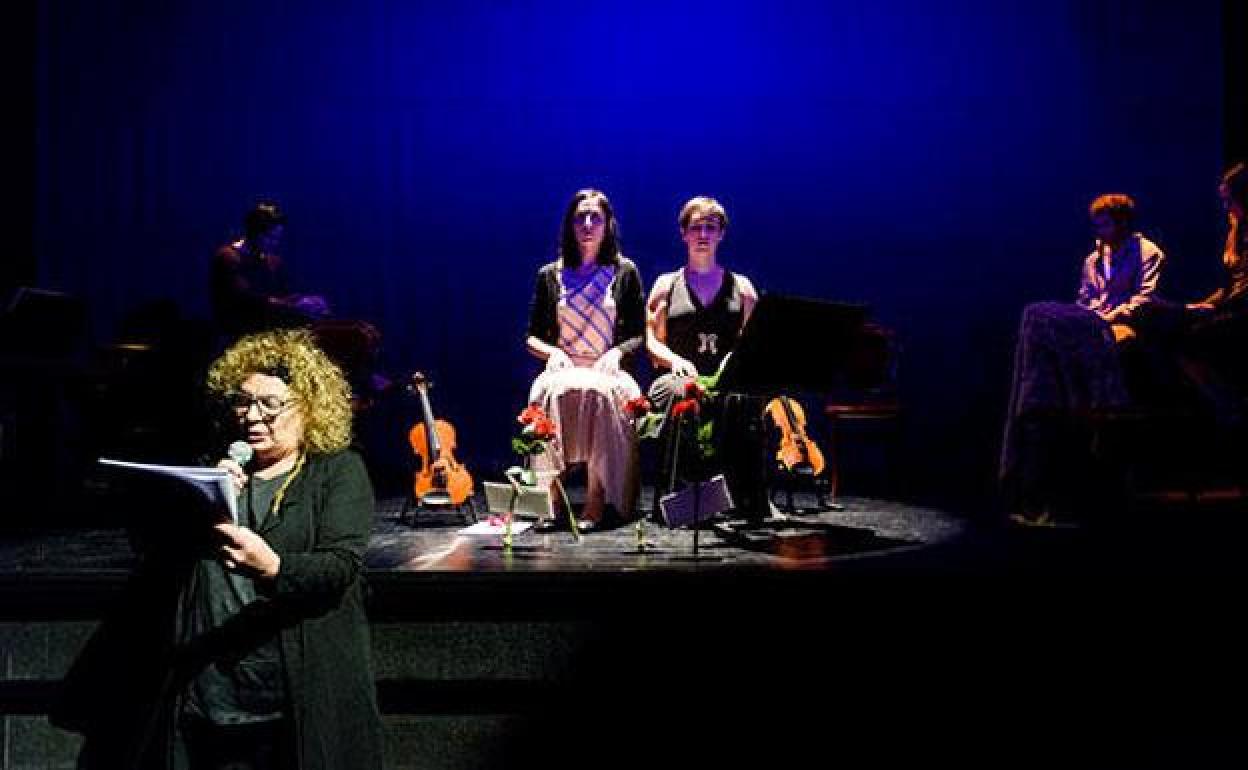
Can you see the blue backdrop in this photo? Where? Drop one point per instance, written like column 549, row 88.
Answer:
column 934, row 162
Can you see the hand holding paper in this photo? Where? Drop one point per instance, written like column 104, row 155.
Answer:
column 245, row 550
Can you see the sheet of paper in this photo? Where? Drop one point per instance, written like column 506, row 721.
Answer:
column 213, row 483
column 486, row 528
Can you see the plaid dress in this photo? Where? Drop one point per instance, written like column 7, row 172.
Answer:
column 586, row 403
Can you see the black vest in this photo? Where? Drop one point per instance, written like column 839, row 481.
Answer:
column 704, row 335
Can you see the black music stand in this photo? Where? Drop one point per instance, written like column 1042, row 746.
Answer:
column 777, row 350
column 43, row 324
column 789, row 344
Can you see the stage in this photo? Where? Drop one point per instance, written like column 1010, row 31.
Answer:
column 825, row 635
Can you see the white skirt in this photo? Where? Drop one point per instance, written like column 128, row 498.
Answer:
column 587, row 407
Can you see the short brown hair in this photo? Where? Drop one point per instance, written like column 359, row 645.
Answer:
column 1119, row 207
column 702, row 206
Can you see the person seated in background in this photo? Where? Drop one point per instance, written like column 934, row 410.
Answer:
column 586, row 320
column 1210, row 348
column 1066, row 362
column 249, row 281
column 1121, row 275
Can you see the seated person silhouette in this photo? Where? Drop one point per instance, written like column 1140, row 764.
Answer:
column 250, row 283
column 1066, row 363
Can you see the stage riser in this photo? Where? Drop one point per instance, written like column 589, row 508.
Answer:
column 452, row 693
column 428, row 743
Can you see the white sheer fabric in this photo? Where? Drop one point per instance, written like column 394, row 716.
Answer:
column 592, row 428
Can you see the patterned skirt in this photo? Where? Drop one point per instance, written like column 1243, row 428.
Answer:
column 1066, row 365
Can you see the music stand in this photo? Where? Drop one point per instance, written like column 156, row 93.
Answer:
column 792, row 344
column 775, row 353
column 42, row 323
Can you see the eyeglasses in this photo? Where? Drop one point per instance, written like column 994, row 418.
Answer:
column 269, row 405
column 589, row 219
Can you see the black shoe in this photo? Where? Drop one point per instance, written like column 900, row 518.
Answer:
column 613, row 519
column 561, row 522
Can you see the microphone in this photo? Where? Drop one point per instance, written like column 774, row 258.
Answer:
column 240, row 452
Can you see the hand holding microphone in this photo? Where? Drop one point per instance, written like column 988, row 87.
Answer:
column 239, row 454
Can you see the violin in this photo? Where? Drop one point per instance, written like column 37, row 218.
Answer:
column 441, row 480
column 797, row 453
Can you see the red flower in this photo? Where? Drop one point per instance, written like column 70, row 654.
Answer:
column 688, row 406
column 637, row 407
column 532, row 413
column 543, row 428
column 694, row 390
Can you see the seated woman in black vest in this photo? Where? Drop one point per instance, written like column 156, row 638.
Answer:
column 695, row 315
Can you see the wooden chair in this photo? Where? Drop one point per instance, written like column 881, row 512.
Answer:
column 870, row 394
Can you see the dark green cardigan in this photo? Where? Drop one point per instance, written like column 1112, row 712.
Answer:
column 125, row 687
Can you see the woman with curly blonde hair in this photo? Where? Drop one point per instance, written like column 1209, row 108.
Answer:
column 266, row 657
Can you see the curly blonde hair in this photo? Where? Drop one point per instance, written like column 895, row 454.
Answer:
column 321, row 391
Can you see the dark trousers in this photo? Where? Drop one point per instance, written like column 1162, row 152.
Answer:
column 739, row 442
column 257, row 746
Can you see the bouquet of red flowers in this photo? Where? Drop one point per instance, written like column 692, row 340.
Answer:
column 537, row 430
column 646, row 421
column 688, row 413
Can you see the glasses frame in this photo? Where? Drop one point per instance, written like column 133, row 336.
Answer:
column 241, row 402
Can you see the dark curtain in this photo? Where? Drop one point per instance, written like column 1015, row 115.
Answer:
column 934, row 161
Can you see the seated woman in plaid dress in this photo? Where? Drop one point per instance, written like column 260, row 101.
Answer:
column 586, row 321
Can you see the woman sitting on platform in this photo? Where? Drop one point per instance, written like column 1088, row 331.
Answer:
column 586, row 321
column 1066, row 362
column 695, row 316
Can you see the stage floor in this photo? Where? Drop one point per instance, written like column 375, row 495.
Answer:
column 432, row 540
column 809, row 539
column 424, row 553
